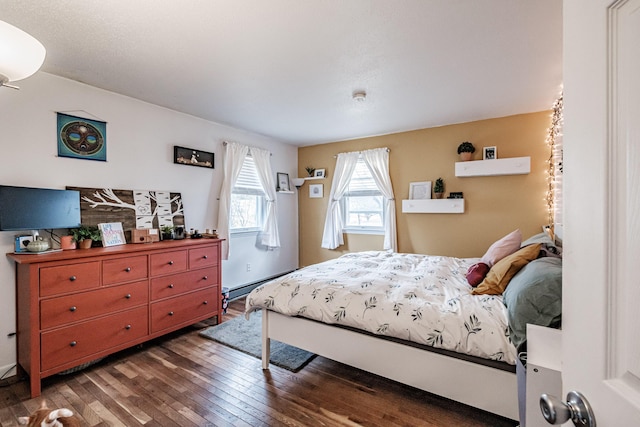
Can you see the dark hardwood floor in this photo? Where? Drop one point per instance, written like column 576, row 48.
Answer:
column 186, row 380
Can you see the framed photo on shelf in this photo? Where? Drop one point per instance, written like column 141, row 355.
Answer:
column 283, row 182
column 489, row 153
column 420, row 190
column 319, row 173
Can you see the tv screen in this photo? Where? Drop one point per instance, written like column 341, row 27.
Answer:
column 24, row 208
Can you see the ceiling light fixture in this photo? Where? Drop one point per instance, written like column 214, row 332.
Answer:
column 21, row 54
column 359, row 96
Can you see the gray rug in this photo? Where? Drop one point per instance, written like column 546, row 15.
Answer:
column 246, row 336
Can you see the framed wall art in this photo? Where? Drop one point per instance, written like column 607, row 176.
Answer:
column 319, row 173
column 192, row 157
column 315, row 191
column 81, row 138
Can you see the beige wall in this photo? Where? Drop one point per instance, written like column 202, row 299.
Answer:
column 494, row 206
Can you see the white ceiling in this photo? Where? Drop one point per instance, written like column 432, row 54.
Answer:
column 287, row 68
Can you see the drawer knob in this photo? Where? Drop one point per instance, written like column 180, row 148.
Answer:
column 205, row 257
column 74, row 308
column 128, row 269
column 205, row 302
column 73, row 278
column 128, row 296
column 171, row 313
column 73, row 343
column 127, row 327
column 170, row 286
column 170, row 262
column 205, row 277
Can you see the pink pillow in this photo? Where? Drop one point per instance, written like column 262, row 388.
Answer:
column 476, row 273
column 502, row 248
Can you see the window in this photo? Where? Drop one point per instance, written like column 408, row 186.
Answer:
column 247, row 200
column 363, row 203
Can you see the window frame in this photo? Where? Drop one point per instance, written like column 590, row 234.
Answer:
column 252, row 187
column 362, row 229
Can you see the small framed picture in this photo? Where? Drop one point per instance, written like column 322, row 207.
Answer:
column 283, row 182
column 489, row 153
column 315, row 191
column 420, row 190
column 319, row 173
column 192, row 157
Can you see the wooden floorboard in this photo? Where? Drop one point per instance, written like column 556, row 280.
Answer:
column 186, row 380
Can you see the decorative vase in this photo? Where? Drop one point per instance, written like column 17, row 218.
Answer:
column 85, row 244
column 466, row 156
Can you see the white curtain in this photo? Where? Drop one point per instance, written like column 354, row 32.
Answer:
column 270, row 236
column 234, row 158
column 345, row 165
column 377, row 160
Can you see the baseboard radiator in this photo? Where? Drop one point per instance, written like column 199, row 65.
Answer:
column 243, row 290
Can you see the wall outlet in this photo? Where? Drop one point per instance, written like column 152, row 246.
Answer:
column 248, row 267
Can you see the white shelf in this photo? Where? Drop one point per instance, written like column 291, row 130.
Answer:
column 285, row 192
column 510, row 166
column 312, row 178
column 433, row 206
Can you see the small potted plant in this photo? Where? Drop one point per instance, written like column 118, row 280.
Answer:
column 438, row 188
column 85, row 235
column 466, row 150
column 167, row 232
column 310, row 170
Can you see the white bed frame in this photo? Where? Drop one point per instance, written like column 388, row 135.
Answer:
column 480, row 386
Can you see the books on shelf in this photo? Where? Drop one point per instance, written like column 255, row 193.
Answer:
column 112, row 234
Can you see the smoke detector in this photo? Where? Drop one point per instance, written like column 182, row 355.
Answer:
column 359, row 96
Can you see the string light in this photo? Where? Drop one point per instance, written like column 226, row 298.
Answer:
column 554, row 172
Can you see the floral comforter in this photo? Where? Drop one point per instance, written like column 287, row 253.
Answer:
column 425, row 299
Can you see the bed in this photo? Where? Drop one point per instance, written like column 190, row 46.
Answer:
column 408, row 317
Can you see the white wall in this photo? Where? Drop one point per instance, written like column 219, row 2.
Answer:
column 140, row 139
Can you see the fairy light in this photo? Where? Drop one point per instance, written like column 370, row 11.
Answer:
column 554, row 172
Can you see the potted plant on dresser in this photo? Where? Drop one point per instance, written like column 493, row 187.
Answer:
column 85, row 236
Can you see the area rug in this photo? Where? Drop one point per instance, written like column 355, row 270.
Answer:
column 246, row 336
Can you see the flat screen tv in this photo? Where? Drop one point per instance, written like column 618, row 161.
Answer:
column 25, row 208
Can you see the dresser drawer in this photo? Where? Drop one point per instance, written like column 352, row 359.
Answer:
column 168, row 263
column 84, row 305
column 69, row 278
column 203, row 257
column 83, row 339
column 179, row 310
column 124, row 269
column 168, row 286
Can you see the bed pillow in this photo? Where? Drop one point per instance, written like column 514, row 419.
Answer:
column 549, row 248
column 476, row 273
column 501, row 273
column 502, row 248
column 534, row 296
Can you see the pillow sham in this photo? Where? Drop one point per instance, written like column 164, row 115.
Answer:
column 534, row 296
column 476, row 273
column 502, row 248
column 500, row 274
column 549, row 248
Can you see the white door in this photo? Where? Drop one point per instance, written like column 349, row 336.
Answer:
column 601, row 300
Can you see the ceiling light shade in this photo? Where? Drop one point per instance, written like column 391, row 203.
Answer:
column 21, row 55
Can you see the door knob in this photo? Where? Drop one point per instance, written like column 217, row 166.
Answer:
column 577, row 409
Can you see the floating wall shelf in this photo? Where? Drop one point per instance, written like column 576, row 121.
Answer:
column 433, row 206
column 510, row 166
